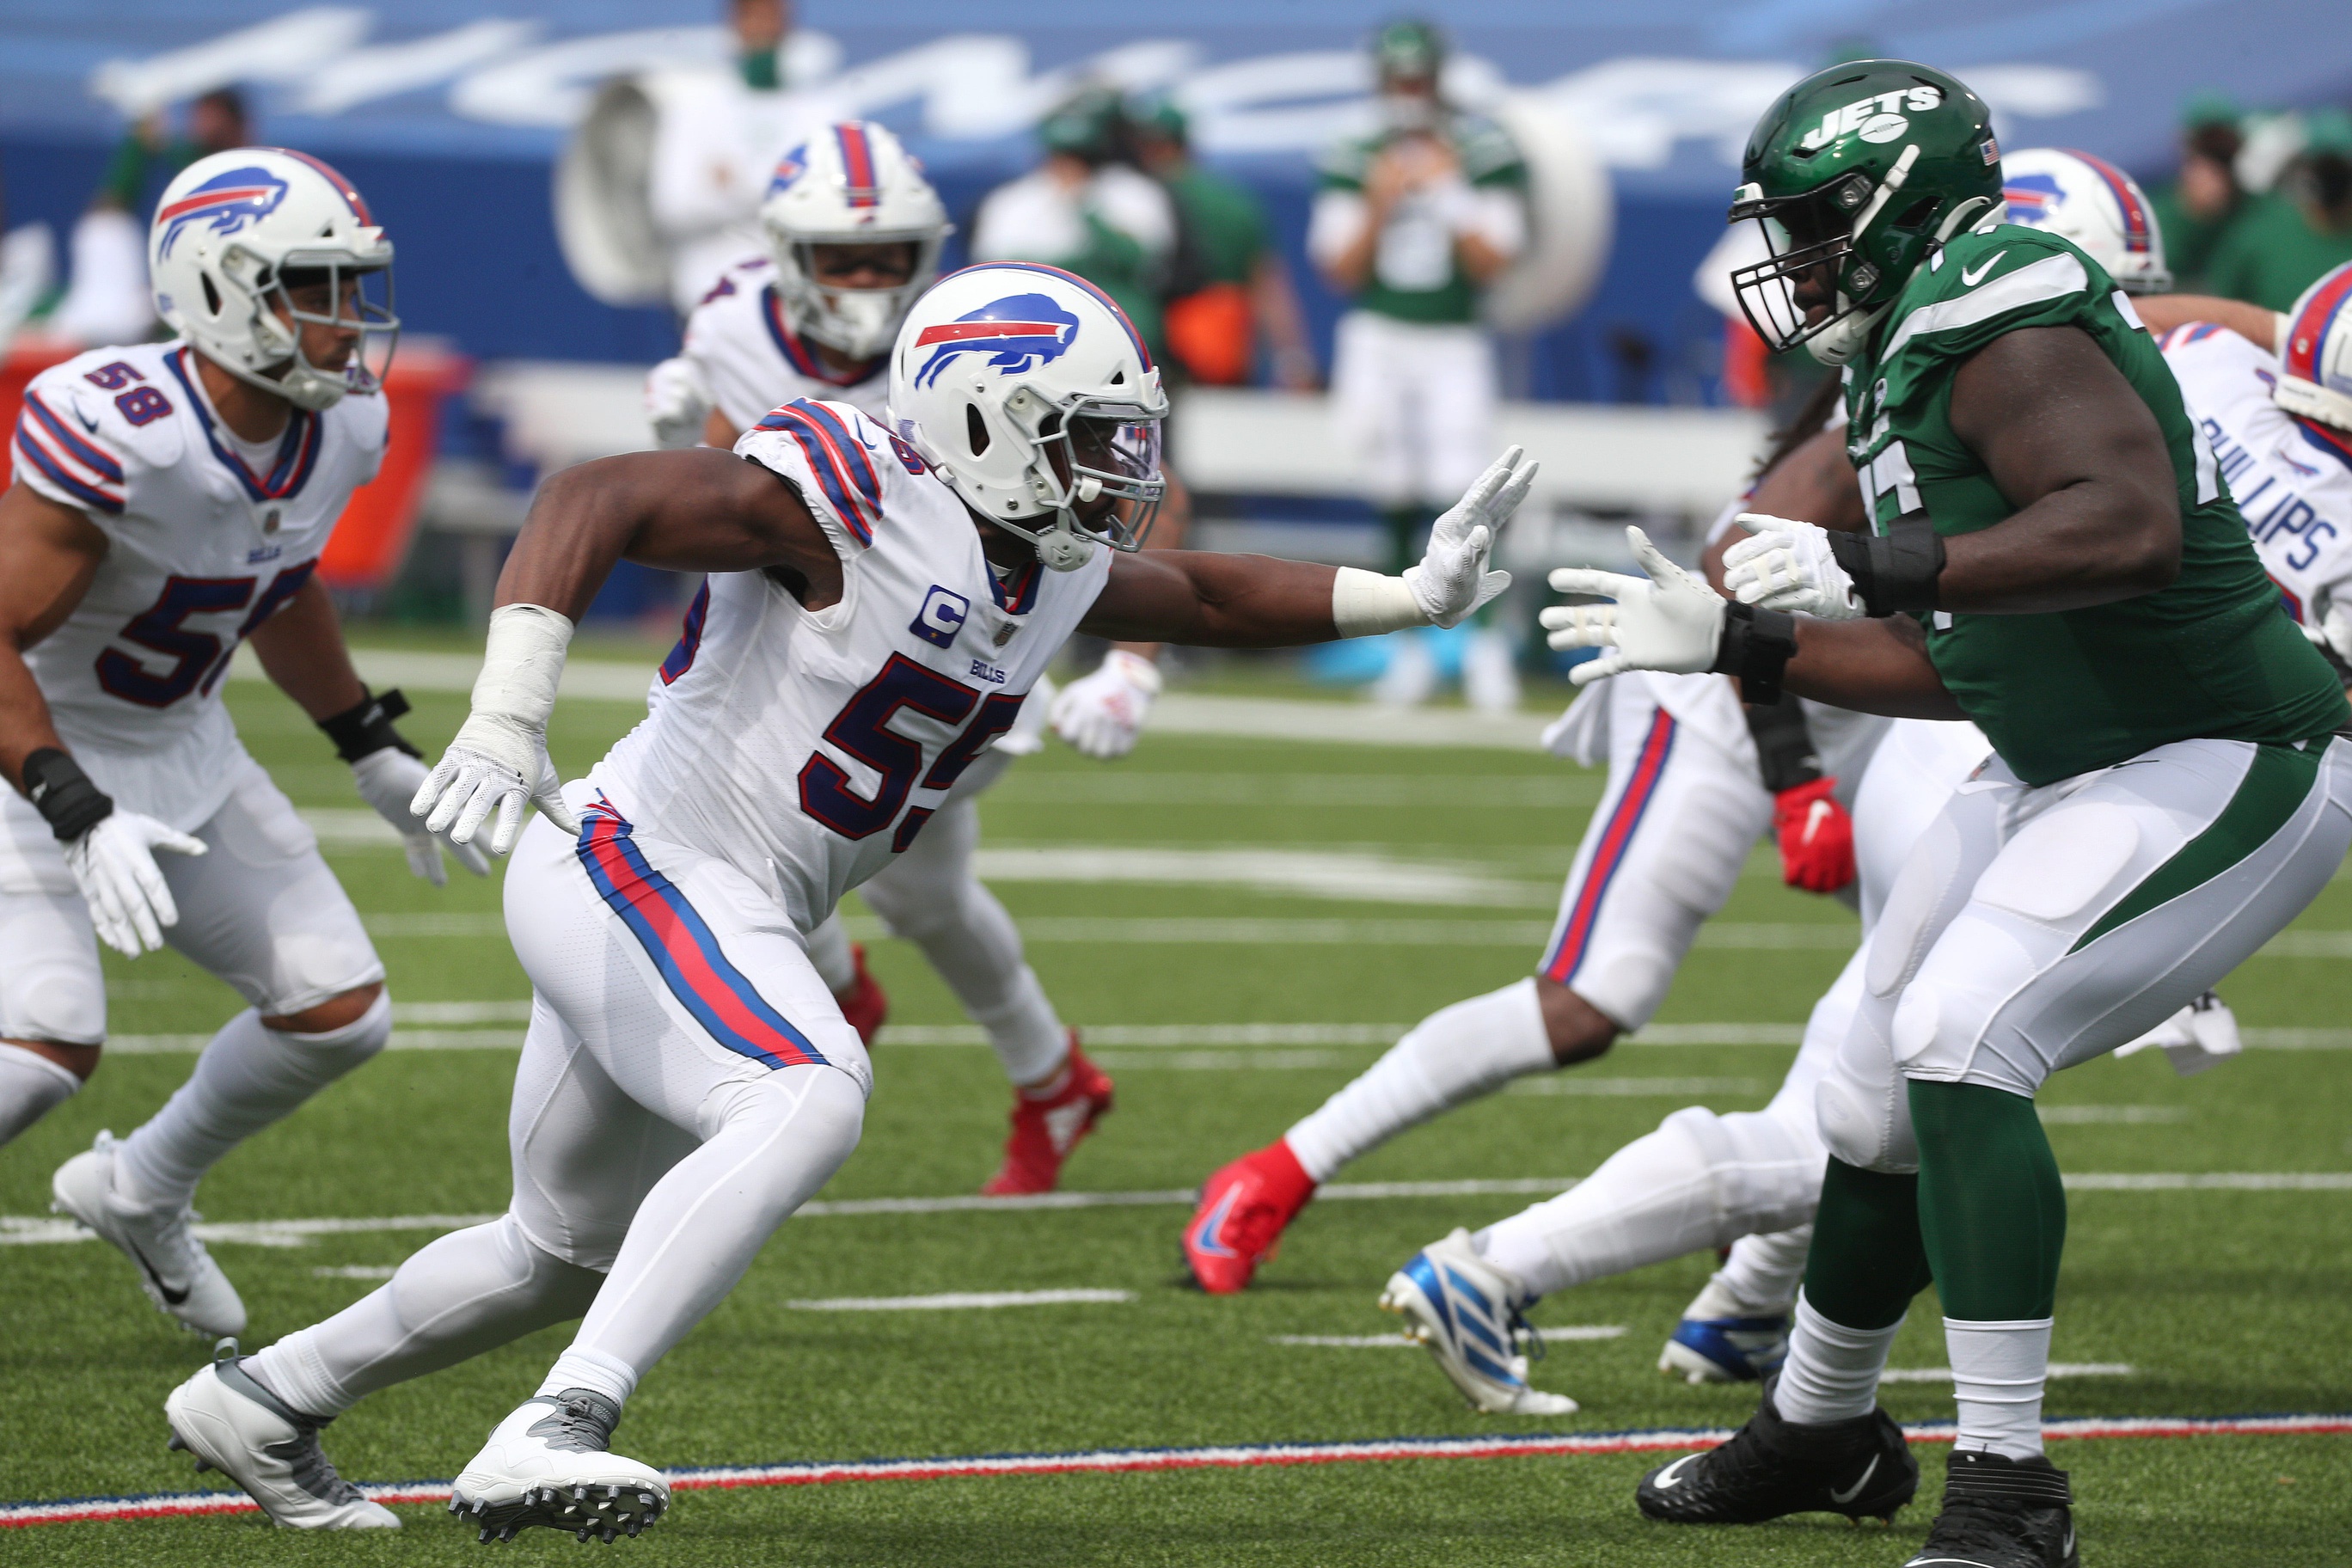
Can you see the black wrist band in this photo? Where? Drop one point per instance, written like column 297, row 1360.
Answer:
column 63, row 794
column 1895, row 571
column 1785, row 757
column 1756, row 647
column 359, row 730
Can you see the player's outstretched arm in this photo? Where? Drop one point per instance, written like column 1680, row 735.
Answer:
column 698, row 511
column 1256, row 601
column 2162, row 312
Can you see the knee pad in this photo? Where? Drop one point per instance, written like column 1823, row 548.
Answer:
column 1764, row 1178
column 1873, row 1131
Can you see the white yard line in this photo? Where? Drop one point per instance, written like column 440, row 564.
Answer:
column 2057, row 1369
column 1562, row 1335
column 961, row 1301
column 2100, row 1115
column 1635, row 1088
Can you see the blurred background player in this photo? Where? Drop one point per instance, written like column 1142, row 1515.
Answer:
column 1411, row 223
column 107, row 299
column 1231, row 293
column 2284, row 239
column 170, row 501
column 854, row 232
column 2194, row 208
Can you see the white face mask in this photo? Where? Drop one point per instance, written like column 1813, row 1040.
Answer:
column 860, row 322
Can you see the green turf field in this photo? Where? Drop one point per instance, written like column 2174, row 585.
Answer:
column 2219, row 1302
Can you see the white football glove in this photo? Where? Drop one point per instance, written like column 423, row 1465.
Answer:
column 1787, row 565
column 388, row 779
column 114, row 865
column 1451, row 579
column 1101, row 715
column 1670, row 621
column 499, row 759
column 678, row 404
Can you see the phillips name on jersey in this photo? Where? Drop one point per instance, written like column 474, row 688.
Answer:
column 206, row 540
column 806, row 747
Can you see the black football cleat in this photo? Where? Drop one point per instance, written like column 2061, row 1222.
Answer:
column 1861, row 1468
column 2000, row 1512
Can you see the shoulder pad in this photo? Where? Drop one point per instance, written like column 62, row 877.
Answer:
column 89, row 425
column 1345, row 162
column 1989, row 281
column 841, row 461
column 1485, row 149
column 365, row 421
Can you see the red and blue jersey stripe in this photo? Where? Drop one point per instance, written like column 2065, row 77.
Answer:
column 689, row 636
column 80, row 467
column 2188, row 333
column 684, row 949
column 844, row 469
column 798, row 354
column 1134, row 337
column 298, row 452
column 865, row 190
column 1568, row 952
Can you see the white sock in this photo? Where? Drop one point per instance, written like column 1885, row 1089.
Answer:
column 1763, row 1273
column 769, row 1144
column 1831, row 1373
column 248, row 1077
column 1998, row 1372
column 31, row 1086
column 1455, row 1055
column 829, row 954
column 930, row 898
column 470, row 1292
column 591, row 1370
column 1701, row 1180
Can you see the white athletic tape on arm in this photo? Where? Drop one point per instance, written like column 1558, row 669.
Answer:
column 1365, row 604
column 522, row 662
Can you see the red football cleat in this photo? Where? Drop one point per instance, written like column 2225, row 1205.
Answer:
column 1244, row 1209
column 865, row 1004
column 1045, row 1130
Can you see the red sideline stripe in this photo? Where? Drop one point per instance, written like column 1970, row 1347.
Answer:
column 1561, row 964
column 1116, row 1461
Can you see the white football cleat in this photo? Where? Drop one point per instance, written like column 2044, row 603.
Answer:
column 1466, row 1313
column 548, row 1464
column 178, row 1275
column 232, row 1423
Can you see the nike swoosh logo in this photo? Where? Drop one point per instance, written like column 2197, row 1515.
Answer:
column 87, row 422
column 1673, row 1474
column 1971, row 278
column 1815, row 817
column 1853, row 1491
column 173, row 1297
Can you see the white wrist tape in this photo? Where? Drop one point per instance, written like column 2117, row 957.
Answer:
column 522, row 662
column 1365, row 604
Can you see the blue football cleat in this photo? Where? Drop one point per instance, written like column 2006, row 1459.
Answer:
column 1466, row 1313
column 1722, row 1338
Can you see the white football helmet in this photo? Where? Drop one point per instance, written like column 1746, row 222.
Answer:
column 850, row 185
column 2091, row 202
column 227, row 231
column 2315, row 355
column 1034, row 394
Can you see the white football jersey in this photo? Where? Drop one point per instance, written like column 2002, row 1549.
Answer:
column 205, row 541
column 806, row 748
column 2292, row 482
column 751, row 361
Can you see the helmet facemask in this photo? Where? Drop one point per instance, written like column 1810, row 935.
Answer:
column 276, row 362
column 1085, row 450
column 859, row 321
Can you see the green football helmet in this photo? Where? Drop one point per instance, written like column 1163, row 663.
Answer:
column 1085, row 125
column 1409, row 49
column 1856, row 175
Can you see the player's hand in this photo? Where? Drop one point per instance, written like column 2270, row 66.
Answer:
column 1451, row 579
column 1101, row 715
column 114, row 863
column 495, row 764
column 1787, row 565
column 388, row 780
column 1816, row 837
column 1670, row 621
column 678, row 404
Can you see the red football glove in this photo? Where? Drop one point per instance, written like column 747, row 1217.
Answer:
column 1816, row 837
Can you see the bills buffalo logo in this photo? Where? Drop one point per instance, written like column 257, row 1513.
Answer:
column 224, row 203
column 1017, row 333
column 2033, row 198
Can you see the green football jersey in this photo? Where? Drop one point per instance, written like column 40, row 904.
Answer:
column 1446, row 296
column 2211, row 655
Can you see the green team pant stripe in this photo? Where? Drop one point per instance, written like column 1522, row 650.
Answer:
column 2276, row 784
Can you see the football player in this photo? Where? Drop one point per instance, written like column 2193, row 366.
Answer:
column 881, row 600
column 2049, row 553
column 855, row 231
column 170, row 501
